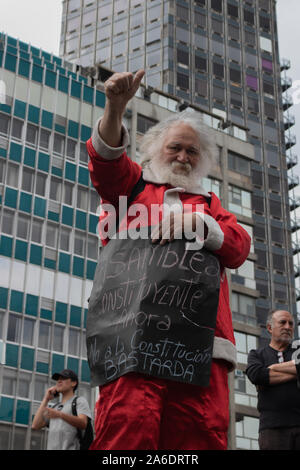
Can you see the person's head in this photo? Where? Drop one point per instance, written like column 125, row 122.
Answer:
column 180, row 149
column 280, row 325
column 66, row 380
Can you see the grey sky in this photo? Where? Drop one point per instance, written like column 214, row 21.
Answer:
column 38, row 22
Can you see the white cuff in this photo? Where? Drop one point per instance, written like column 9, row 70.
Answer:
column 225, row 349
column 104, row 150
column 215, row 236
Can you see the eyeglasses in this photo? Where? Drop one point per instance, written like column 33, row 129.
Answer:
column 280, row 356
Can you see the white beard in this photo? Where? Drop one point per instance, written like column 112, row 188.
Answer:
column 177, row 174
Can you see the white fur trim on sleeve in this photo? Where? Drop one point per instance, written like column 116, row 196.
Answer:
column 225, row 349
column 104, row 150
column 215, row 236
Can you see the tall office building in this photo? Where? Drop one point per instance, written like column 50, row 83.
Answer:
column 221, row 56
column 48, row 241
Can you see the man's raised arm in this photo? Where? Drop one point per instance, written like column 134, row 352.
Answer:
column 119, row 89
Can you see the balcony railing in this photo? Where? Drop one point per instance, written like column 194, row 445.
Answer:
column 290, row 141
column 289, row 121
column 293, row 181
column 291, row 160
column 295, row 247
column 294, row 202
column 286, row 83
column 295, row 224
column 285, row 64
column 297, row 271
column 287, row 102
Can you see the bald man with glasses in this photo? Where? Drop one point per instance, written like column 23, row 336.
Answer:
column 275, row 370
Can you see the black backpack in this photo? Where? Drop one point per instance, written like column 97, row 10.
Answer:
column 85, row 436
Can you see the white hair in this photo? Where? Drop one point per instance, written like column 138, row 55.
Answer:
column 152, row 142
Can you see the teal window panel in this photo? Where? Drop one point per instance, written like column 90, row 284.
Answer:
column 56, row 171
column 61, row 311
column 29, row 157
column 3, row 153
column 11, row 196
column 80, row 221
column 36, row 254
column 25, row 202
column 88, row 94
column 73, row 364
column 93, row 222
column 58, row 363
column 21, row 250
column 36, row 59
column 67, row 215
column 86, row 133
column 90, row 269
column 11, row 355
column 53, row 216
column 20, row 109
column 73, row 129
column 63, row 84
column 33, row 114
column 1, row 58
column 24, row 68
column 23, row 411
column 49, row 263
column 78, row 266
column 12, row 49
column 49, row 65
column 60, row 129
column 42, row 367
column 3, row 297
column 35, row 51
column 57, row 60
column 10, row 62
column 46, row 314
column 76, row 89
column 23, row 46
column 100, row 99
column 47, row 119
column 70, row 171
column 16, row 301
column 85, row 372
column 37, row 73
column 75, row 316
column 27, row 358
column 72, row 74
column 15, row 152
column 64, row 263
column 83, row 176
column 6, row 244
column 12, row 41
column 5, row 108
column 31, row 305
column 46, row 55
column 6, row 409
column 43, row 161
column 25, row 55
column 39, row 206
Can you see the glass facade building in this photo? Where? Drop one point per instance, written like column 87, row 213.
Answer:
column 48, row 241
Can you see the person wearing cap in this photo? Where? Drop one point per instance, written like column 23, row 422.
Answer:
column 58, row 416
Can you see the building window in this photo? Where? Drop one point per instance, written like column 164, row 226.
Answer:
column 64, row 239
column 44, row 335
column 51, row 235
column 244, row 344
column 74, row 342
column 9, row 382
column 240, row 201
column 40, row 184
column 27, row 180
column 55, row 189
column 79, row 243
column 7, row 222
column 238, row 163
column 71, row 148
column 14, row 328
column 82, row 199
column 216, row 5
column 4, row 124
column 92, row 248
column 201, row 63
column 144, row 123
column 212, row 185
column 40, row 387
column 247, row 433
column 58, row 338
column 17, row 128
column 68, row 193
column 24, row 385
column 12, row 178
column 59, row 144
column 28, row 331
column 183, row 81
column 244, row 275
column 94, row 201
column 23, row 226
column 31, row 134
column 243, row 308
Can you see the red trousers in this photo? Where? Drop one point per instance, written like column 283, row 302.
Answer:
column 140, row 412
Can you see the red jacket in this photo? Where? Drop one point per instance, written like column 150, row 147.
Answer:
column 226, row 238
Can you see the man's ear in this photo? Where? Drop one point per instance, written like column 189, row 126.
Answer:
column 269, row 328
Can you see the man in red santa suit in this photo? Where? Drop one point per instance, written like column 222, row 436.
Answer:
column 138, row 411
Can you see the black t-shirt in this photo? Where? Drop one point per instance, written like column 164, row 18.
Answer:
column 279, row 405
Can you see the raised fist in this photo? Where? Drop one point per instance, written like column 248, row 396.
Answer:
column 121, row 87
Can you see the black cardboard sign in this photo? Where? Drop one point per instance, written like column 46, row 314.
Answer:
column 153, row 310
